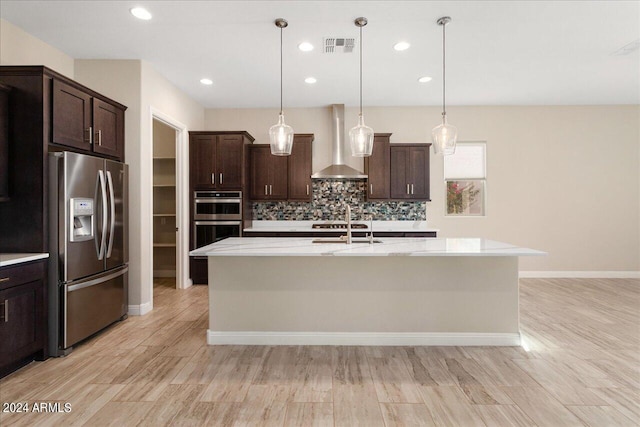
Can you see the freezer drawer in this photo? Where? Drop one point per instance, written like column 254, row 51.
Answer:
column 93, row 304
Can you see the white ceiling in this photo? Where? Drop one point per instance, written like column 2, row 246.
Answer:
column 498, row 52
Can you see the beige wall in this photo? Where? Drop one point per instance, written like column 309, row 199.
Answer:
column 563, row 179
column 18, row 47
column 135, row 84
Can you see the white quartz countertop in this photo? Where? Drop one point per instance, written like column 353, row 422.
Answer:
column 263, row 246
column 11, row 259
column 305, row 226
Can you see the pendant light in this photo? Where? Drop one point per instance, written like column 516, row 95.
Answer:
column 444, row 136
column 281, row 134
column 361, row 136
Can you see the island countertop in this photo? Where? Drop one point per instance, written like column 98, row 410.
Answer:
column 262, row 246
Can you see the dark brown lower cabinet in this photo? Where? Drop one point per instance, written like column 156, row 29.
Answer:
column 23, row 324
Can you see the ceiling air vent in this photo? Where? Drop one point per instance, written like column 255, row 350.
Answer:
column 338, row 45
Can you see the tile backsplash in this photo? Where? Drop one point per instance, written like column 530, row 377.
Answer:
column 330, row 198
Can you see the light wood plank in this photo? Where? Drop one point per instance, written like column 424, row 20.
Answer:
column 448, row 406
column 356, row 405
column 504, row 416
column 406, row 414
column 305, row 414
column 541, row 407
column 600, row 416
column 392, row 379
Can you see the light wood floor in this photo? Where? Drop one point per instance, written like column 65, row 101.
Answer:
column 580, row 367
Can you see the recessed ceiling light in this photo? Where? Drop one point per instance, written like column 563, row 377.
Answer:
column 310, row 80
column 141, row 13
column 207, row 82
column 401, row 46
column 424, row 79
column 305, row 47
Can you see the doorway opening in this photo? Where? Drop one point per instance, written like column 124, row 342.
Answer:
column 165, row 225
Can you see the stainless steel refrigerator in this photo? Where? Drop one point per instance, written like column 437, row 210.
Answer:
column 88, row 245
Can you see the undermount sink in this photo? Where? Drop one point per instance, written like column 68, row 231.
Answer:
column 338, row 240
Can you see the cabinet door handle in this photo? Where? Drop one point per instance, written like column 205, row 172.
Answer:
column 213, row 178
column 270, row 189
column 370, row 188
column 220, row 179
column 4, row 279
column 307, row 189
column 5, row 311
column 89, row 131
column 408, row 189
column 266, row 190
column 99, row 138
column 411, row 188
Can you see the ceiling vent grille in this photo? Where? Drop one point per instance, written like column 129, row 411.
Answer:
column 338, row 45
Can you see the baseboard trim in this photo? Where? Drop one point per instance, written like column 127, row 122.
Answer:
column 581, row 274
column 363, row 338
column 140, row 310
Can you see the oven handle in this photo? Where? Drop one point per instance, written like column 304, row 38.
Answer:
column 218, row 200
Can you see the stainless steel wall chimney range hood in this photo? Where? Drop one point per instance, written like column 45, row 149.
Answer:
column 338, row 170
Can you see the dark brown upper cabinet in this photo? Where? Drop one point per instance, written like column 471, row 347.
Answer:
column 269, row 174
column 377, row 168
column 410, row 171
column 108, row 129
column 85, row 122
column 217, row 159
column 300, row 168
column 4, row 142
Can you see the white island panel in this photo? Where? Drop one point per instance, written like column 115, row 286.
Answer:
column 399, row 292
column 363, row 301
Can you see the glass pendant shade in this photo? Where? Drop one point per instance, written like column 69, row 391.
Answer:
column 281, row 138
column 444, row 138
column 361, row 138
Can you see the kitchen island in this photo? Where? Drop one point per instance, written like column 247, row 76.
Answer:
column 423, row 291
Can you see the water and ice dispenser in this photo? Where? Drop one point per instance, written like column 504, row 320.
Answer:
column 82, row 220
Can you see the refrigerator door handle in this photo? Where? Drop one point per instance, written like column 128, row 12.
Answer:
column 103, row 190
column 113, row 214
column 99, row 280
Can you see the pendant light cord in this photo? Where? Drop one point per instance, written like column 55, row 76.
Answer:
column 444, row 84
column 280, row 70
column 361, row 70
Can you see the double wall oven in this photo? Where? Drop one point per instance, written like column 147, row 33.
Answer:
column 216, row 216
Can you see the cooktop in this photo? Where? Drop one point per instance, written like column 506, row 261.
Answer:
column 340, row 226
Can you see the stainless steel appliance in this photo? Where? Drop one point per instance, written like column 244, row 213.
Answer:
column 207, row 232
column 216, row 216
column 88, row 245
column 217, row 205
column 337, row 225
